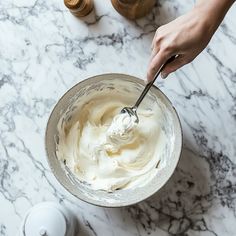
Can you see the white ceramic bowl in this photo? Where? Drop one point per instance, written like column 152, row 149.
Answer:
column 118, row 198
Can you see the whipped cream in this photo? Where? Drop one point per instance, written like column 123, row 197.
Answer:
column 120, row 132
column 106, row 148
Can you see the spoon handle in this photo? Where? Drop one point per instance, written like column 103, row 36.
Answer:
column 149, row 85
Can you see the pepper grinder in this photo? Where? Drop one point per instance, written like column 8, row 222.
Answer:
column 79, row 8
column 48, row 219
column 133, row 9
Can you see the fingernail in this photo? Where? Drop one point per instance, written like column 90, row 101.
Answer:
column 164, row 75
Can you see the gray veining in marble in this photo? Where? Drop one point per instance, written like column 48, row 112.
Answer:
column 44, row 50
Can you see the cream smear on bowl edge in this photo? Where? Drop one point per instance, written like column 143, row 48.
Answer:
column 107, row 150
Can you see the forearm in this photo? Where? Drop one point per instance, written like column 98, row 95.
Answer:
column 214, row 10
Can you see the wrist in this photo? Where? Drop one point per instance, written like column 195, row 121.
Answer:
column 221, row 6
column 212, row 12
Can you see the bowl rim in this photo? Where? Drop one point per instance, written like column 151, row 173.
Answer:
column 107, row 204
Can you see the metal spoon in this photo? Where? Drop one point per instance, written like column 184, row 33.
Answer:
column 132, row 111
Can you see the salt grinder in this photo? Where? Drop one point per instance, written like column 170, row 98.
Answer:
column 133, row 9
column 79, row 8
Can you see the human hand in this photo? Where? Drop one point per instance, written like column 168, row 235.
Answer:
column 185, row 37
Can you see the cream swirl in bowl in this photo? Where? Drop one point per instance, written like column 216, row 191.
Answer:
column 108, row 150
column 104, row 158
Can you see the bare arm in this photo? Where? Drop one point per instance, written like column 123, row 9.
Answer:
column 186, row 36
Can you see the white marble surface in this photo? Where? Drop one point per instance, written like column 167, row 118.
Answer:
column 44, row 51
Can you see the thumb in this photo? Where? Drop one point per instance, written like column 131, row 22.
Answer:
column 179, row 61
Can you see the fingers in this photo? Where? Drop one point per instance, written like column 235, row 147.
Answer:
column 155, row 50
column 155, row 47
column 179, row 61
column 158, row 60
column 153, row 40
